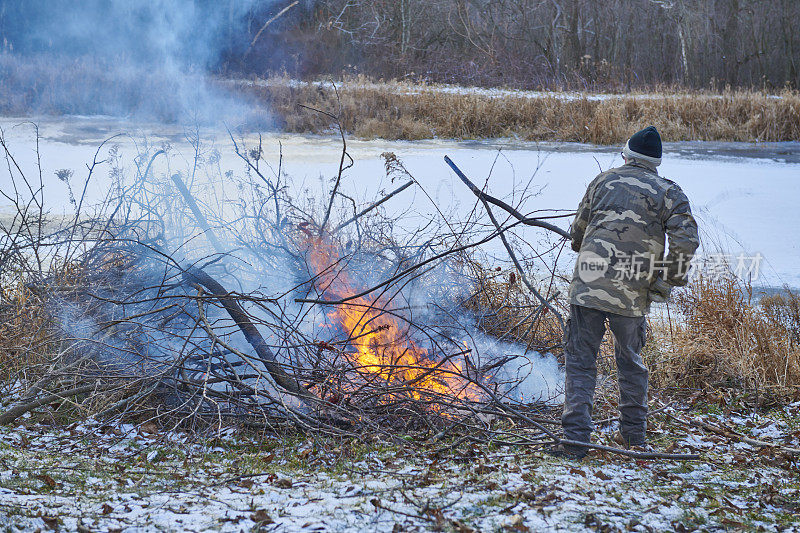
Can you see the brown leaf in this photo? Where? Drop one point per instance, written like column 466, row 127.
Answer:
column 107, row 509
column 524, row 495
column 461, row 527
column 549, row 497
column 283, row 483
column 305, row 453
column 261, row 517
column 437, row 515
column 602, row 475
column 50, row 521
column 49, row 481
column 149, row 427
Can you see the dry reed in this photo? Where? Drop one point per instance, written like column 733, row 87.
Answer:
column 505, row 309
column 23, row 332
column 722, row 335
column 404, row 111
column 725, row 336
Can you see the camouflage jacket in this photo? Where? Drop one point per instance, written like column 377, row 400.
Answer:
column 619, row 232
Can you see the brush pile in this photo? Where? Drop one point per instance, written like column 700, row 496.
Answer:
column 262, row 311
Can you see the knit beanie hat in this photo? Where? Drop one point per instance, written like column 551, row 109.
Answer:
column 644, row 145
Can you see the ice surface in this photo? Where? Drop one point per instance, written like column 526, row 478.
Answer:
column 744, row 196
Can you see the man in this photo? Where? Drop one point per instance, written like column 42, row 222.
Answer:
column 619, row 232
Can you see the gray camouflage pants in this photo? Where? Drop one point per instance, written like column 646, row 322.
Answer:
column 584, row 334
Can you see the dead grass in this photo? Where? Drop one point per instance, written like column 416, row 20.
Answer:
column 23, row 336
column 400, row 110
column 719, row 334
column 403, row 111
column 505, row 308
column 725, row 337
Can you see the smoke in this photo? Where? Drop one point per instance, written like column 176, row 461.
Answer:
column 144, row 60
column 434, row 302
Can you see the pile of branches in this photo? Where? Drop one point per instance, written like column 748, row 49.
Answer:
column 152, row 305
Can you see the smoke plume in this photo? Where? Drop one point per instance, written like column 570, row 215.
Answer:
column 143, row 60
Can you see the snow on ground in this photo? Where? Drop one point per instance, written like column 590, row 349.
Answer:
column 94, row 477
column 743, row 195
column 440, row 88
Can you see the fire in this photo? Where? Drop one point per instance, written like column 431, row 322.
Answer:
column 378, row 343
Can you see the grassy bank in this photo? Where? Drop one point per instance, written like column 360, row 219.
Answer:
column 369, row 108
column 396, row 110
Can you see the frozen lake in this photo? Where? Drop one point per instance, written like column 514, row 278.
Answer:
column 745, row 196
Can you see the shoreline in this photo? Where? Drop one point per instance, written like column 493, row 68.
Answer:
column 398, row 110
column 404, row 111
column 93, row 129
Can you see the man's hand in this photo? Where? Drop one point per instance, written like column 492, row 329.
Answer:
column 659, row 291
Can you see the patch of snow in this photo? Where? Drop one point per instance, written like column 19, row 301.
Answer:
column 772, row 430
column 494, row 92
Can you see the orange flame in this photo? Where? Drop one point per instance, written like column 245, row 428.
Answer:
column 379, row 344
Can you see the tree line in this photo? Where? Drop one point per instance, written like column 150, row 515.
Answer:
column 567, row 44
column 592, row 44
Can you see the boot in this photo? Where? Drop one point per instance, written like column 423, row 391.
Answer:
column 561, row 451
column 619, row 439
